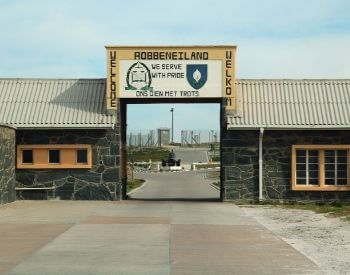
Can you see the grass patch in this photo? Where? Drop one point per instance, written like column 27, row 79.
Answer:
column 134, row 184
column 213, row 175
column 216, row 183
column 145, row 154
column 204, row 166
column 216, row 158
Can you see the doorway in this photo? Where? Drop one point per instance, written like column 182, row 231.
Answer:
column 174, row 173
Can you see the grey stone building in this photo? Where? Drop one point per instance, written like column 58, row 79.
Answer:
column 288, row 140
column 54, row 113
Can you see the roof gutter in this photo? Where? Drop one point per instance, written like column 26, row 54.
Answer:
column 261, row 136
column 64, row 128
column 293, row 127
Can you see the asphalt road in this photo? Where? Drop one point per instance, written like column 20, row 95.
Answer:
column 187, row 185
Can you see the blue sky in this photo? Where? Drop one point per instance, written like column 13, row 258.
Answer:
column 275, row 39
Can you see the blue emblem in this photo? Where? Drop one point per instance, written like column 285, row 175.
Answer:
column 197, row 75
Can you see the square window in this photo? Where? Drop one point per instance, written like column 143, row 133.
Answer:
column 27, row 156
column 82, row 156
column 54, row 156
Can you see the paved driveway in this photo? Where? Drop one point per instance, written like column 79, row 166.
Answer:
column 140, row 237
column 190, row 155
column 188, row 185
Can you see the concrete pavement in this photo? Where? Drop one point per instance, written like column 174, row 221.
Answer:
column 140, row 237
column 190, row 155
column 188, row 185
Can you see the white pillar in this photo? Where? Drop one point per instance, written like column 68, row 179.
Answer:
column 261, row 135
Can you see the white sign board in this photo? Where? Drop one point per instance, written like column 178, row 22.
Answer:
column 162, row 72
column 170, row 78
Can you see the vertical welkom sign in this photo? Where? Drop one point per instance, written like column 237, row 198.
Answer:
column 171, row 72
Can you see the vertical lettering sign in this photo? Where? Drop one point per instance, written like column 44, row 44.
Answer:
column 171, row 72
column 112, row 80
column 229, row 82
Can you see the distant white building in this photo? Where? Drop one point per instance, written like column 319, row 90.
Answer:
column 163, row 136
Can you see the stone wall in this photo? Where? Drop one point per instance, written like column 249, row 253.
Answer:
column 99, row 183
column 240, row 156
column 7, row 165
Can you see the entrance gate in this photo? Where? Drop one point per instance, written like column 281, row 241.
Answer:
column 183, row 74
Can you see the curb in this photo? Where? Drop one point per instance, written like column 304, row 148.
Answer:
column 214, row 186
column 134, row 190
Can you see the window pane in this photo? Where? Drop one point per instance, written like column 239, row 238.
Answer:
column 329, row 159
column 27, row 156
column 342, row 182
column 329, row 153
column 330, row 174
column 301, row 181
column 301, row 174
column 329, row 181
column 81, row 156
column 313, row 153
column 301, row 167
column 313, row 159
column 313, row 166
column 301, row 159
column 341, row 153
column 341, row 174
column 341, row 166
column 341, row 159
column 313, row 174
column 313, row 181
column 54, row 156
column 329, row 167
column 301, row 153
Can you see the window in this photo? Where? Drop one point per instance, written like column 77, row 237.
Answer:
column 57, row 156
column 27, row 156
column 335, row 167
column 320, row 167
column 81, row 156
column 307, row 167
column 54, row 156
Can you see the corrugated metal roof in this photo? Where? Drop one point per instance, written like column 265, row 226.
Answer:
column 54, row 103
column 304, row 104
column 268, row 103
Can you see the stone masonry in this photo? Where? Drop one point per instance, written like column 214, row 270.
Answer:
column 240, row 164
column 99, row 183
column 7, row 165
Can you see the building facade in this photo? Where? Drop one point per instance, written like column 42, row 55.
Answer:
column 288, row 140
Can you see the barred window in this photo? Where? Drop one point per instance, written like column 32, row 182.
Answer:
column 54, row 156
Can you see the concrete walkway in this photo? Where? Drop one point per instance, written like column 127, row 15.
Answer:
column 140, row 237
